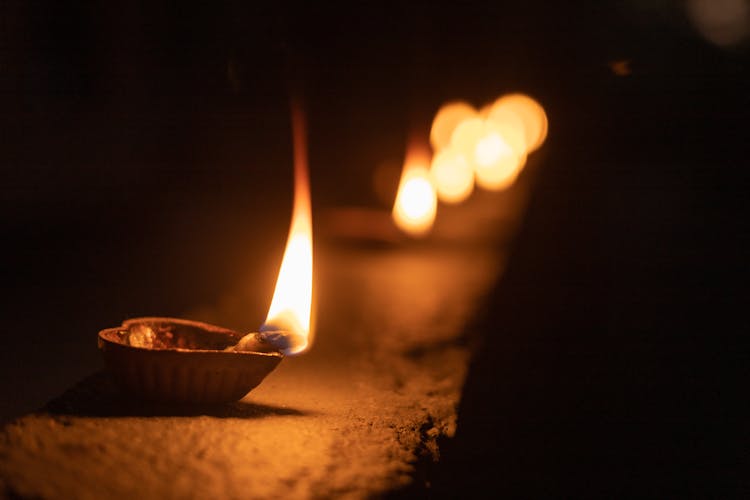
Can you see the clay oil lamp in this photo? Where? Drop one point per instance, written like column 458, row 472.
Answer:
column 185, row 361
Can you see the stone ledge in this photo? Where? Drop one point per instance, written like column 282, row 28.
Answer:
column 350, row 419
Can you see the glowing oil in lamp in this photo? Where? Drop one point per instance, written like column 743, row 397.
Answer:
column 179, row 360
column 415, row 207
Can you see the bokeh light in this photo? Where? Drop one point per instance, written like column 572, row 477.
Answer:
column 452, row 175
column 495, row 153
column 487, row 148
column 514, row 107
column 446, row 120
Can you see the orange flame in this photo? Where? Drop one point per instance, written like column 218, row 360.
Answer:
column 416, row 202
column 291, row 306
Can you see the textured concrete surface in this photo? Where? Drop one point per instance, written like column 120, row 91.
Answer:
column 353, row 417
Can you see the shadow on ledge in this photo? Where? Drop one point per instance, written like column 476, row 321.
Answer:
column 614, row 346
column 98, row 396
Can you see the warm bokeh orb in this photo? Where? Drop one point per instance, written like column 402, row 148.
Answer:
column 495, row 153
column 501, row 173
column 512, row 125
column 415, row 207
column 466, row 135
column 452, row 175
column 520, row 109
column 490, row 148
column 448, row 117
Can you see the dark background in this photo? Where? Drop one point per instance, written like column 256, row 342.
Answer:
column 145, row 158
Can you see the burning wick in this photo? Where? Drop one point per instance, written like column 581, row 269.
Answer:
column 268, row 341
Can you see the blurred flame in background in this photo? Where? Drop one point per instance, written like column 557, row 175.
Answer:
column 291, row 306
column 415, row 207
column 487, row 147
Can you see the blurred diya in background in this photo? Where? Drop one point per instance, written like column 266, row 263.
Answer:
column 486, row 147
column 468, row 148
